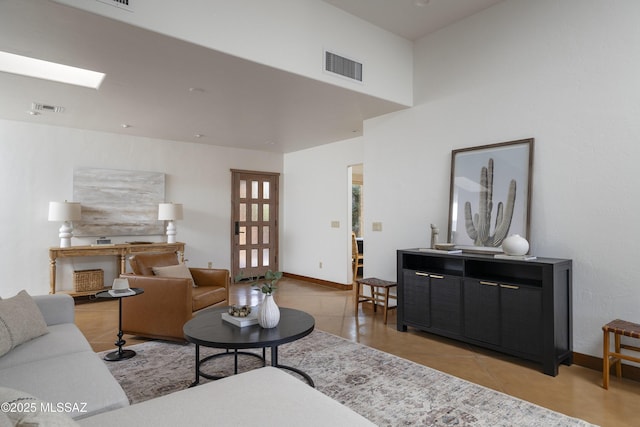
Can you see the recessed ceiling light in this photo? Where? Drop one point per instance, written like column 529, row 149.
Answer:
column 31, row 67
column 421, row 3
column 196, row 89
column 198, row 135
column 124, row 126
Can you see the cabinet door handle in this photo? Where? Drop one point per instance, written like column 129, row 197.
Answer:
column 436, row 276
column 421, row 274
column 488, row 283
column 510, row 287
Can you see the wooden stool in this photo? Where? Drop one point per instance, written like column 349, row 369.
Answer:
column 618, row 328
column 379, row 294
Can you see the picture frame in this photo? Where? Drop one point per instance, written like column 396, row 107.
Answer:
column 490, row 194
column 118, row 202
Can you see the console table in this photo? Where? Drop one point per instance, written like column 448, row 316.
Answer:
column 122, row 251
column 518, row 307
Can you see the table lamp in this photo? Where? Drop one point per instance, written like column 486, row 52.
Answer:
column 65, row 212
column 170, row 212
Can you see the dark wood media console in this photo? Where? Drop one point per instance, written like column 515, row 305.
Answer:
column 522, row 308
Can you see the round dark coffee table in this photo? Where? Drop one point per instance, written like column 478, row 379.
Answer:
column 208, row 329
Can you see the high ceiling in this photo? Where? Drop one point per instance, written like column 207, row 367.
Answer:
column 161, row 87
column 412, row 19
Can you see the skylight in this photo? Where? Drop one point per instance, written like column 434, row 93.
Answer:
column 31, row 67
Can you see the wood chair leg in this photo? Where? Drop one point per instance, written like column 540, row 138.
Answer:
column 386, row 304
column 355, row 271
column 605, row 360
column 374, row 298
column 618, row 362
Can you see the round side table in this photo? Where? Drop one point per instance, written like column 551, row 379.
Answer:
column 119, row 354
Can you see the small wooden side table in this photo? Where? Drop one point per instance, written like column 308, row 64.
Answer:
column 119, row 354
column 618, row 328
column 378, row 296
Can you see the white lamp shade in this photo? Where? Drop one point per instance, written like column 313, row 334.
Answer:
column 64, row 211
column 169, row 211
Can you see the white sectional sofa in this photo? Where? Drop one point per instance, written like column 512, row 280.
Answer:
column 263, row 397
column 60, row 368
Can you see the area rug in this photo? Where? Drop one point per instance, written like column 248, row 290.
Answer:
column 386, row 389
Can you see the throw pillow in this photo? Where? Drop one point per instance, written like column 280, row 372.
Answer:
column 20, row 321
column 180, row 271
column 24, row 410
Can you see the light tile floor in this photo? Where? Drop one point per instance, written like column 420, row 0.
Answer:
column 576, row 391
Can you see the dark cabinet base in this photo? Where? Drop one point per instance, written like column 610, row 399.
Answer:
column 522, row 308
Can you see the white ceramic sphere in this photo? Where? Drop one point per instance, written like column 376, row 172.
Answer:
column 515, row 245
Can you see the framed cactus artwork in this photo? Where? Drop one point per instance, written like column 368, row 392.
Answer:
column 490, row 194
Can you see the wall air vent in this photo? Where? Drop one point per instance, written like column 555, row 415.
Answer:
column 343, row 66
column 36, row 106
column 122, row 4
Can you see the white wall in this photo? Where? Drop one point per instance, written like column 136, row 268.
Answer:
column 565, row 73
column 317, row 192
column 36, row 166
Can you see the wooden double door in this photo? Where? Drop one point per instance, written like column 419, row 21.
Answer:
column 254, row 223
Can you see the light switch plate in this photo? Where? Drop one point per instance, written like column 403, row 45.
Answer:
column 335, row 224
column 376, row 226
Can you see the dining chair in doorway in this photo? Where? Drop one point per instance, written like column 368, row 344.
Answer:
column 357, row 259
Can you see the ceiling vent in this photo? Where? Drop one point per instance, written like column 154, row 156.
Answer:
column 343, row 66
column 36, row 106
column 122, row 4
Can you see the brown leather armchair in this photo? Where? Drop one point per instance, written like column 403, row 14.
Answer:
column 167, row 302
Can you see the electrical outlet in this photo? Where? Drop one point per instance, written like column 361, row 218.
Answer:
column 320, row 264
column 210, row 264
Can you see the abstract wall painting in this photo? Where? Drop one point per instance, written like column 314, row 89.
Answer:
column 118, row 202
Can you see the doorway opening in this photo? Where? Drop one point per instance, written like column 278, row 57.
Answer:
column 356, row 173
